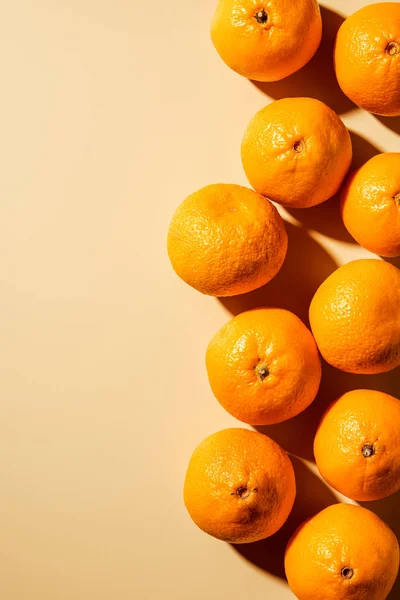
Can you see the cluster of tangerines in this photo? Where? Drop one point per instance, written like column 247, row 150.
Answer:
column 264, row 365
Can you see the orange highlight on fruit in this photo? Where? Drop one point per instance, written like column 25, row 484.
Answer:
column 370, row 204
column 367, row 58
column 296, row 151
column 355, row 317
column 263, row 366
column 268, row 40
column 357, row 446
column 240, row 486
column 226, row 239
column 345, row 552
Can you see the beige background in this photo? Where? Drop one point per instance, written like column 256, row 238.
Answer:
column 111, row 113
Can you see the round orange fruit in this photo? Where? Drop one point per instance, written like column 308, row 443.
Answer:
column 345, row 552
column 240, row 486
column 268, row 40
column 297, row 152
column 357, row 446
column 367, row 58
column 370, row 204
column 226, row 240
column 263, row 366
column 355, row 317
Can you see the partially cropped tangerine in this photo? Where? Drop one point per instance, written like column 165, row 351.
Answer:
column 226, row 239
column 240, row 486
column 296, row 151
column 263, row 366
column 367, row 58
column 370, row 204
column 345, row 552
column 355, row 317
column 267, row 40
column 357, row 446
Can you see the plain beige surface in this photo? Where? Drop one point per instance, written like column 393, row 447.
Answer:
column 111, row 113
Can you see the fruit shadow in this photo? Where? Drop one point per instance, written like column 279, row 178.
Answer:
column 317, row 78
column 305, row 267
column 388, row 510
column 297, row 435
column 312, row 496
column 394, row 261
column 326, row 218
column 392, row 123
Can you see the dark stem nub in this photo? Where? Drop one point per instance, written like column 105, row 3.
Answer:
column 243, row 492
column 261, row 16
column 368, row 450
column 298, row 146
column 392, row 48
column 347, row 572
column 262, row 371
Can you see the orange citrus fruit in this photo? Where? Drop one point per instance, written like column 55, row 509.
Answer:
column 370, row 204
column 240, row 486
column 264, row 366
column 357, row 446
column 355, row 317
column 345, row 552
column 226, row 239
column 367, row 58
column 297, row 152
column 266, row 41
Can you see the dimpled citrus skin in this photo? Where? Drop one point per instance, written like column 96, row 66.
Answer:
column 240, row 486
column 360, row 421
column 370, row 204
column 284, row 41
column 342, row 536
column 366, row 70
column 264, row 366
column 355, row 317
column 226, row 239
column 297, row 152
